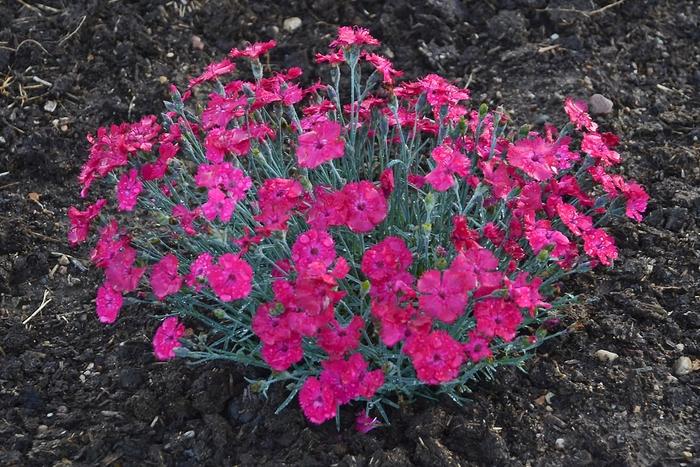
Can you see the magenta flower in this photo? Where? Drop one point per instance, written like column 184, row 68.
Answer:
column 437, row 356
column 80, row 221
column 477, row 347
column 199, row 271
column 317, row 401
column 535, row 157
column 337, row 340
column 231, row 278
column 322, row 144
column 283, row 353
column 164, row 277
column 253, row 51
column 444, row 295
column 449, row 162
column 578, row 114
column 497, row 317
column 598, row 244
column 108, row 303
column 128, row 189
column 366, row 206
column 167, row 338
column 313, row 246
column 353, row 35
column 364, row 423
column 594, row 145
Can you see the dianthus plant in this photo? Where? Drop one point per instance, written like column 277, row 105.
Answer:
column 363, row 238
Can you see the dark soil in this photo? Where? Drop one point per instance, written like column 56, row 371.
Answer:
column 74, row 392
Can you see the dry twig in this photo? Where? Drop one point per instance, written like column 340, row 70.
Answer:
column 44, row 301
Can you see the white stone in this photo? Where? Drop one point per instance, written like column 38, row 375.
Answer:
column 683, row 366
column 606, row 356
column 291, row 24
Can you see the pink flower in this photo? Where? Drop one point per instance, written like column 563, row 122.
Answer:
column 317, row 401
column 578, row 114
column 524, row 294
column 350, row 378
column 463, row 238
column 213, row 71
column 576, row 221
column 384, row 66
column 355, row 35
column 167, row 338
column 332, row 58
column 199, row 271
column 542, row 235
column 535, row 157
column 218, row 205
column 156, row 170
column 164, row 277
column 327, row 210
column 477, row 348
column 497, row 317
column 185, row 217
column 271, row 325
column 637, row 199
column 121, row 272
column 449, row 162
column 80, row 221
column 437, row 357
column 366, row 206
column 279, row 194
column 336, row 340
column 313, row 246
column 386, row 181
column 364, row 423
column 283, row 353
column 594, row 144
column 444, row 296
column 231, row 278
column 599, row 245
column 108, row 303
column 253, row 51
column 221, row 110
column 220, row 141
column 386, row 260
column 322, row 144
column 128, row 189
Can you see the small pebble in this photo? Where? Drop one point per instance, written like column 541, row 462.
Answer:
column 683, row 366
column 688, row 455
column 42, row 428
column 291, row 24
column 599, row 104
column 560, row 443
column 197, row 43
column 62, row 409
column 50, row 106
column 606, row 356
column 63, row 260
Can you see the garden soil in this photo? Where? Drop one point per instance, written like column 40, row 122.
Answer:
column 76, row 392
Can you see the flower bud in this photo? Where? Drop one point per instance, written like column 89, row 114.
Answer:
column 430, row 202
column 365, row 286
column 219, row 313
column 483, row 110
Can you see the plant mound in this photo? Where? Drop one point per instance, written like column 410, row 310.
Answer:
column 362, row 237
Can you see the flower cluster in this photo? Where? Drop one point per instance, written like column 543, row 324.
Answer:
column 360, row 239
